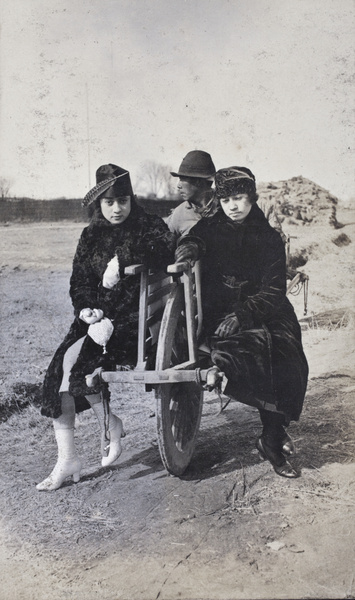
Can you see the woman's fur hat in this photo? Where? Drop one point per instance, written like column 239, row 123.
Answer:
column 233, row 180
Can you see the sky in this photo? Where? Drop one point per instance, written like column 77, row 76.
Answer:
column 267, row 84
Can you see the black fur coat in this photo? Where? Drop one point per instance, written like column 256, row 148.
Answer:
column 244, row 273
column 141, row 238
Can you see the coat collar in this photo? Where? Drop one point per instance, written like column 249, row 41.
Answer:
column 255, row 218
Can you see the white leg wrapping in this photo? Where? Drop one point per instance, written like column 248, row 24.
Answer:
column 110, row 448
column 68, row 463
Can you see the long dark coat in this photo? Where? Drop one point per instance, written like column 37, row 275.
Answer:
column 244, row 272
column 141, row 238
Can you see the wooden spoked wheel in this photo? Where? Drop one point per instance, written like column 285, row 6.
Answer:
column 179, row 405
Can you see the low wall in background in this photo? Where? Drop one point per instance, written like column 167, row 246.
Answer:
column 28, row 210
column 161, row 207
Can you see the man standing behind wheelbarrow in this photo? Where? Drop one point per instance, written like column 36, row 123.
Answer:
column 196, row 174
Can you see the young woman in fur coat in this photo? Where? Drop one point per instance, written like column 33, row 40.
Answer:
column 104, row 331
column 250, row 325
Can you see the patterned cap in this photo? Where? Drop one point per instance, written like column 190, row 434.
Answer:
column 228, row 181
column 109, row 176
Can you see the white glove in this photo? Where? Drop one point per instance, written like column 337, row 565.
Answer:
column 91, row 316
column 101, row 332
column 112, row 273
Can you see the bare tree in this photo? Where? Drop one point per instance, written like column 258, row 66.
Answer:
column 155, row 180
column 5, row 186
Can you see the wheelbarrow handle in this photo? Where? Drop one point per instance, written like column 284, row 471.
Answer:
column 207, row 378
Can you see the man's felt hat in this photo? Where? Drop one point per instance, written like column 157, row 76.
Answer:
column 111, row 180
column 196, row 163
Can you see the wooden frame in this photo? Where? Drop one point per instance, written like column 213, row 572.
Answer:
column 153, row 327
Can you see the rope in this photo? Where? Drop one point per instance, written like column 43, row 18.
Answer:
column 297, row 290
column 221, row 405
column 305, row 300
column 106, row 416
column 198, row 376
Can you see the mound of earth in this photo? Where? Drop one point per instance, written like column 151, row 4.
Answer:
column 302, row 200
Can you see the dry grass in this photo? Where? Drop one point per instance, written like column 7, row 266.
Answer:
column 21, row 396
column 330, row 320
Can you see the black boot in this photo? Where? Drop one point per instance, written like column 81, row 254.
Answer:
column 270, row 443
column 272, row 420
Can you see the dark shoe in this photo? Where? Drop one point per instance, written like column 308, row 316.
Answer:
column 288, row 446
column 280, row 464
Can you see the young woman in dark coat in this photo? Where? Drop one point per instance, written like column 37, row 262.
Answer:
column 104, row 331
column 250, row 325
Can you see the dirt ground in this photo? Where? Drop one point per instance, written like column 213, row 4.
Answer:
column 230, row 528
